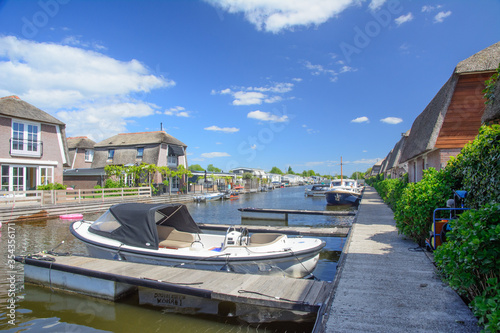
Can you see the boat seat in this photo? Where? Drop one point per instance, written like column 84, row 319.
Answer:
column 172, row 238
column 260, row 239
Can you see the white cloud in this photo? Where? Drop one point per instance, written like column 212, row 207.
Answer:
column 333, row 74
column 256, row 95
column 439, row 18
column 222, row 129
column 267, row 116
column 376, row 4
column 361, row 120
column 404, row 18
column 429, row 9
column 85, row 84
column 391, row 120
column 277, row 15
column 177, row 111
column 214, row 154
column 297, row 79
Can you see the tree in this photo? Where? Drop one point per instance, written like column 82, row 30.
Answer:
column 357, row 175
column 196, row 167
column 276, row 170
column 290, row 171
column 211, row 168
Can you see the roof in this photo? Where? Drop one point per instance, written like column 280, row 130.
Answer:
column 140, row 138
column 484, row 60
column 395, row 156
column 84, row 172
column 80, row 142
column 13, row 106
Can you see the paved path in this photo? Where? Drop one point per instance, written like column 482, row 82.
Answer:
column 387, row 286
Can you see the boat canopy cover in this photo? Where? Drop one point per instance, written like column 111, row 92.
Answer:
column 135, row 224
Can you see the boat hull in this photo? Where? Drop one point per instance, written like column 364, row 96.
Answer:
column 344, row 198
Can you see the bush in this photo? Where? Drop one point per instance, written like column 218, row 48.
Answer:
column 470, row 261
column 390, row 190
column 477, row 168
column 413, row 211
column 51, row 186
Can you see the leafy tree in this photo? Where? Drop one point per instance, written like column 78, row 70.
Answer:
column 358, row 175
column 290, row 171
column 276, row 170
column 211, row 168
column 247, row 175
column 196, row 167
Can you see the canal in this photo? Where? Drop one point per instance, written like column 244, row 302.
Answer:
column 43, row 310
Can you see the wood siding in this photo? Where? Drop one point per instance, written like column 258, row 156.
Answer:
column 463, row 117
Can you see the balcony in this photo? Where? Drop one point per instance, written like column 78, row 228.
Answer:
column 22, row 147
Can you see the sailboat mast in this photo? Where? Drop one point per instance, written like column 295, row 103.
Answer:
column 341, row 176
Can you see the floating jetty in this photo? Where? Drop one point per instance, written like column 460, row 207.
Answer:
column 252, row 298
column 282, row 214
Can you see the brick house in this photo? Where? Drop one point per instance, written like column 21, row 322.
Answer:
column 33, row 148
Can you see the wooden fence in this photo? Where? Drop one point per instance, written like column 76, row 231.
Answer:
column 55, row 197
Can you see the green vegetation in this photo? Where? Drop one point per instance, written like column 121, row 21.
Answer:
column 51, row 186
column 470, row 257
column 276, row 170
column 196, row 167
column 489, row 90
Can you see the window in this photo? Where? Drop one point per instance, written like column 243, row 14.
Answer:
column 24, row 140
column 89, row 155
column 111, row 154
column 5, row 178
column 140, row 152
column 46, row 175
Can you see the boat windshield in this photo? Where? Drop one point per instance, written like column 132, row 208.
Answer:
column 106, row 223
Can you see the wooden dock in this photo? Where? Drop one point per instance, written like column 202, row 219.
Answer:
column 169, row 286
column 282, row 214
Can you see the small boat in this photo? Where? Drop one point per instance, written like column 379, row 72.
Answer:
column 344, row 192
column 166, row 234
column 317, row 190
column 71, row 216
column 208, row 197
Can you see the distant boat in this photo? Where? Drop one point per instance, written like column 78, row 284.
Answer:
column 317, row 190
column 208, row 197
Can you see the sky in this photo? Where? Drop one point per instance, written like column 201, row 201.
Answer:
column 243, row 83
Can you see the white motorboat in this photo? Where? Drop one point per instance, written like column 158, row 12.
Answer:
column 317, row 190
column 166, row 234
column 209, row 197
column 344, row 192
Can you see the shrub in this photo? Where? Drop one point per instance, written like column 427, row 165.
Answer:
column 470, row 261
column 51, row 186
column 390, row 190
column 413, row 211
column 477, row 168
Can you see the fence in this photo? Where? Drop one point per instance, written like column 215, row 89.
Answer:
column 53, row 197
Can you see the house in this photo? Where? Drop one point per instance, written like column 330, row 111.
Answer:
column 33, row 148
column 453, row 117
column 393, row 167
column 376, row 167
column 257, row 173
column 158, row 148
column 81, row 152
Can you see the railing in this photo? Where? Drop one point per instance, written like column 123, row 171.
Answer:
column 54, row 197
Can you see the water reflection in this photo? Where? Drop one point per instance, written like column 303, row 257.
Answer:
column 42, row 310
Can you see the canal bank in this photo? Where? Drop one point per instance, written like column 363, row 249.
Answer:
column 385, row 283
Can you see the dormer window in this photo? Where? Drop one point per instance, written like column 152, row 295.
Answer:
column 140, row 153
column 89, row 155
column 111, row 154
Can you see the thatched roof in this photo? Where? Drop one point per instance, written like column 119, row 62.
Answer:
column 425, row 128
column 492, row 111
column 13, row 106
column 142, row 138
column 383, row 166
column 395, row 156
column 484, row 60
column 80, row 142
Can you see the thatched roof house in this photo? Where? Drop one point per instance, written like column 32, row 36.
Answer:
column 376, row 167
column 394, row 168
column 81, row 152
column 34, row 145
column 453, row 117
column 137, row 148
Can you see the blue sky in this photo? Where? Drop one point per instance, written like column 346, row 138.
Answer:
column 255, row 83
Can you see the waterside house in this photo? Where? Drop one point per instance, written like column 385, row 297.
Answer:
column 81, row 152
column 452, row 118
column 33, row 148
column 158, row 148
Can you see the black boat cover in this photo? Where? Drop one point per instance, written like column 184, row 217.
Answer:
column 135, row 224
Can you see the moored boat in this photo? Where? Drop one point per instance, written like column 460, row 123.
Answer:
column 166, row 234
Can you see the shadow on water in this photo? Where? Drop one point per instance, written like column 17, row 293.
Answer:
column 43, row 310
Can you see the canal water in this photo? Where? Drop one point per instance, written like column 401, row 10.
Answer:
column 44, row 310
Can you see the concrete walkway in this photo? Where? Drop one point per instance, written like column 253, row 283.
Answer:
column 386, row 285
